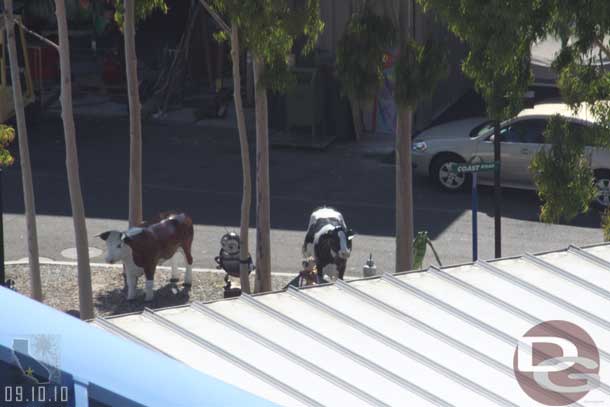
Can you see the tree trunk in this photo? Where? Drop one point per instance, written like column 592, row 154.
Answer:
column 135, row 117
column 404, row 177
column 246, row 199
column 263, row 224
column 404, row 191
column 76, row 198
column 24, row 156
column 356, row 118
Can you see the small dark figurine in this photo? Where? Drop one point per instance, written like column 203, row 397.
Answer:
column 228, row 260
column 308, row 276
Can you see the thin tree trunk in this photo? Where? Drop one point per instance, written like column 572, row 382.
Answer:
column 24, row 156
column 246, row 199
column 356, row 119
column 135, row 117
column 263, row 223
column 404, row 191
column 76, row 198
column 404, row 177
column 207, row 51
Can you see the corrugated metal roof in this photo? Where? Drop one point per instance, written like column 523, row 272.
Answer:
column 440, row 337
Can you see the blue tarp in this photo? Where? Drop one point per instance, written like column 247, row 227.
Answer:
column 104, row 367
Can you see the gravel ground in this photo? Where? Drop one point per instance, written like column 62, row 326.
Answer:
column 60, row 288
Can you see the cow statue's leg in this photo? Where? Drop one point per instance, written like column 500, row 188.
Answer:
column 188, row 275
column 131, row 278
column 331, row 271
column 149, row 285
column 174, row 278
column 341, row 268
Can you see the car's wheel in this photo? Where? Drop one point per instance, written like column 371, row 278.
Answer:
column 440, row 171
column 602, row 183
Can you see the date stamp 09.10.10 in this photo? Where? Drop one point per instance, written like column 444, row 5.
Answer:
column 29, row 374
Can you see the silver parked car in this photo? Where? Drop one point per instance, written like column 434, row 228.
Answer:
column 436, row 149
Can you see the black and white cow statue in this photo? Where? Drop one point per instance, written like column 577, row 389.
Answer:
column 329, row 242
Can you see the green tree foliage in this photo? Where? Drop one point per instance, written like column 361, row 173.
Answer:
column 7, row 136
column 562, row 174
column 606, row 225
column 418, row 69
column 499, row 35
column 144, row 8
column 269, row 28
column 360, row 52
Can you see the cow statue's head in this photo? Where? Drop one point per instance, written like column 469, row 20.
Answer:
column 338, row 240
column 117, row 248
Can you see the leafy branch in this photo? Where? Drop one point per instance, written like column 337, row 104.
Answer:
column 562, row 174
column 7, row 136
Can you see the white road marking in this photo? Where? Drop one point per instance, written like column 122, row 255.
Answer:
column 27, row 260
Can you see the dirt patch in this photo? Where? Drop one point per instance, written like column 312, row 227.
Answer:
column 60, row 288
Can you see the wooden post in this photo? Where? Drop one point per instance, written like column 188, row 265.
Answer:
column 24, row 153
column 76, row 198
column 246, row 199
column 263, row 221
column 135, row 116
column 404, row 176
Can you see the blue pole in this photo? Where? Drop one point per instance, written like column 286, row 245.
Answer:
column 475, row 201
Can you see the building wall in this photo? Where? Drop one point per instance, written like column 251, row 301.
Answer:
column 336, row 13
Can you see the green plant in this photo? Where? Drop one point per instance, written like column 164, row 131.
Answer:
column 268, row 29
column 144, row 8
column 360, row 52
column 7, row 136
column 606, row 224
column 418, row 70
column 562, row 174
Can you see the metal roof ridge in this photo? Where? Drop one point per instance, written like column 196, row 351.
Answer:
column 508, row 307
column 405, row 350
column 589, row 256
column 110, row 327
column 566, row 275
column 158, row 319
column 512, row 279
column 411, row 320
column 463, row 347
column 468, row 318
column 325, row 375
column 477, row 323
column 248, row 299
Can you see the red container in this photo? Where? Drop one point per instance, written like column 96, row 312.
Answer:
column 44, row 63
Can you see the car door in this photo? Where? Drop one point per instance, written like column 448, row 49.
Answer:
column 520, row 140
column 527, row 139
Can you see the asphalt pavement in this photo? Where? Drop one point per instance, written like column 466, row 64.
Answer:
column 198, row 170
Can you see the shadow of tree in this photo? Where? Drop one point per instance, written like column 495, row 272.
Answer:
column 113, row 302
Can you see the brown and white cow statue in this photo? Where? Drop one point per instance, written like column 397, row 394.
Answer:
column 144, row 247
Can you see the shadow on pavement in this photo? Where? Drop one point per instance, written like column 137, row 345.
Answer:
column 198, row 170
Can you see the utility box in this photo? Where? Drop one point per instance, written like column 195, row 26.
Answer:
column 300, row 117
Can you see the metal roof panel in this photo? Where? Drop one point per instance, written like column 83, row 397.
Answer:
column 441, row 337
